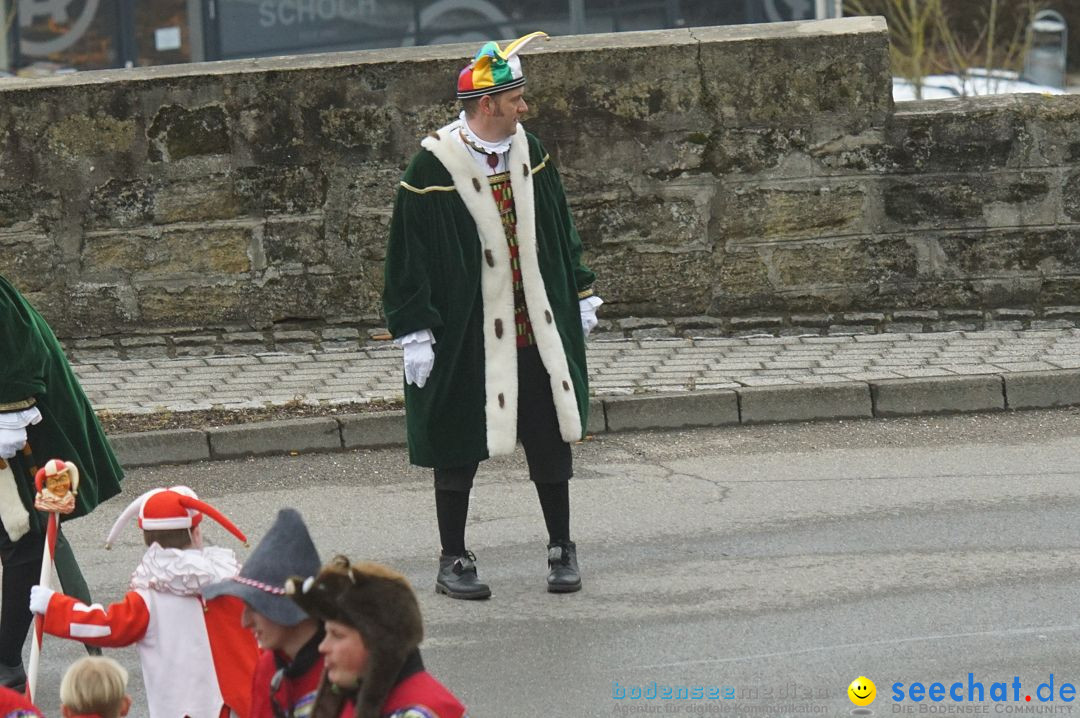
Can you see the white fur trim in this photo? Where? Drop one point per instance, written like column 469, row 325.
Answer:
column 547, row 336
column 172, row 522
column 13, row 514
column 496, row 288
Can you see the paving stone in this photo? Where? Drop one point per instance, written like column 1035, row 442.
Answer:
column 176, row 363
column 822, row 379
column 790, row 364
column 769, row 341
column 1024, row 366
column 971, row 368
column 279, row 358
column 954, row 359
column 922, row 371
column 765, row 380
column 720, row 342
column 898, row 362
column 827, row 340
column 940, row 337
column 227, row 361
column 872, row 375
column 879, row 338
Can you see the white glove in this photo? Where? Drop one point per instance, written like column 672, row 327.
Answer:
column 39, row 599
column 588, row 307
column 419, row 358
column 11, row 442
column 13, row 430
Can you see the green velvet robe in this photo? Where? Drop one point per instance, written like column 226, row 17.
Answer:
column 448, row 270
column 32, row 364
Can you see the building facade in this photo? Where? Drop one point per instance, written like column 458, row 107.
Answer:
column 98, row 34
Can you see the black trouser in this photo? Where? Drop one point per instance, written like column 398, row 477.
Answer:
column 548, row 456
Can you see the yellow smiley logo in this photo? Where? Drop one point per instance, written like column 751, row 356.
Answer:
column 862, row 691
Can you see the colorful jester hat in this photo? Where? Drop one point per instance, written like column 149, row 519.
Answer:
column 494, row 70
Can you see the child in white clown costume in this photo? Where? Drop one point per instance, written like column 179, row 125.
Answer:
column 197, row 659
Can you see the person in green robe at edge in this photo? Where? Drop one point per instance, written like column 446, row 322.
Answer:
column 42, row 407
column 487, row 295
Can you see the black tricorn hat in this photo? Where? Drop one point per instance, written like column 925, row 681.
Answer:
column 380, row 604
column 285, row 550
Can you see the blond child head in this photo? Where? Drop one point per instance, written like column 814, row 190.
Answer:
column 95, row 686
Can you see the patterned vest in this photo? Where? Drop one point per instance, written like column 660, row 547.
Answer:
column 504, row 200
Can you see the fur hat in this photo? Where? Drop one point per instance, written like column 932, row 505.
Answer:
column 380, row 604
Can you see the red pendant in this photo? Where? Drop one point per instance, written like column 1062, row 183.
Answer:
column 493, row 160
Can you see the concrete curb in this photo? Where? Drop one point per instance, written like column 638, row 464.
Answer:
column 170, row 446
column 376, row 429
column 274, row 437
column 749, row 405
column 938, row 395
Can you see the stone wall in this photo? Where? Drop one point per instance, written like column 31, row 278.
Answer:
column 720, row 176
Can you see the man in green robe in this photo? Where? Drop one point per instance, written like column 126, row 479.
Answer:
column 486, row 293
column 42, row 407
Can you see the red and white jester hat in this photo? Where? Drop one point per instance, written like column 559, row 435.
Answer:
column 177, row 507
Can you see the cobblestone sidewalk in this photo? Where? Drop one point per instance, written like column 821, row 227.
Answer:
column 616, row 367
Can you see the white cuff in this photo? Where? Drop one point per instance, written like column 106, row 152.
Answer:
column 591, row 302
column 424, row 335
column 19, row 419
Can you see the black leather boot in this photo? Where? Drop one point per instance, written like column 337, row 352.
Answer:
column 13, row 677
column 563, row 574
column 457, row 578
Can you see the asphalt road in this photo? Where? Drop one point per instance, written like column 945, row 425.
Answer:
column 774, row 564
